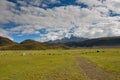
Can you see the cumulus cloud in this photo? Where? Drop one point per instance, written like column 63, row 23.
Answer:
column 5, row 13
column 64, row 21
column 5, row 33
column 91, row 3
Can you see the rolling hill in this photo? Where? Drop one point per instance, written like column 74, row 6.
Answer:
column 28, row 45
column 7, row 44
column 5, row 41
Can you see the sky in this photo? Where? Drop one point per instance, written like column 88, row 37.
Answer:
column 44, row 20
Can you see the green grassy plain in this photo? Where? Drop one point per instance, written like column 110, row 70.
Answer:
column 54, row 64
column 39, row 65
column 109, row 59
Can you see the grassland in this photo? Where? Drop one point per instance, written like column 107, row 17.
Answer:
column 109, row 59
column 39, row 65
column 57, row 64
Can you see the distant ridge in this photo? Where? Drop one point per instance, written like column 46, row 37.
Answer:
column 104, row 41
column 71, row 39
column 7, row 44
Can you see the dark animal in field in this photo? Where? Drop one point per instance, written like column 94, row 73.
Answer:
column 98, row 51
column 49, row 54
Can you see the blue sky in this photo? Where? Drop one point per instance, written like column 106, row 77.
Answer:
column 45, row 20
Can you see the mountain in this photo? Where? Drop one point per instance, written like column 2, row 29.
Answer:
column 66, row 40
column 7, row 44
column 29, row 41
column 33, row 45
column 105, row 41
column 5, row 41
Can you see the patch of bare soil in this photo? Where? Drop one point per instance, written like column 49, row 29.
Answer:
column 93, row 72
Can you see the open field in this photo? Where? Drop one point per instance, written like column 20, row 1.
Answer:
column 78, row 64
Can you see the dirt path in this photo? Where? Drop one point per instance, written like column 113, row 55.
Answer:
column 92, row 71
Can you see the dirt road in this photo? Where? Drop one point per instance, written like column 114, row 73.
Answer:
column 92, row 71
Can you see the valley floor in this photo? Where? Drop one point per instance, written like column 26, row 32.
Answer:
column 77, row 64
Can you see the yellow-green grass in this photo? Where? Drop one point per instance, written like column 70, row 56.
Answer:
column 54, row 64
column 108, row 59
column 39, row 65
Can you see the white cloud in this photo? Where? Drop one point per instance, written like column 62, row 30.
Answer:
column 91, row 22
column 36, row 3
column 5, row 33
column 5, row 13
column 90, row 3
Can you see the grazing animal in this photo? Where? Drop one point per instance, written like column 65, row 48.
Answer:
column 98, row 51
column 23, row 54
column 49, row 54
